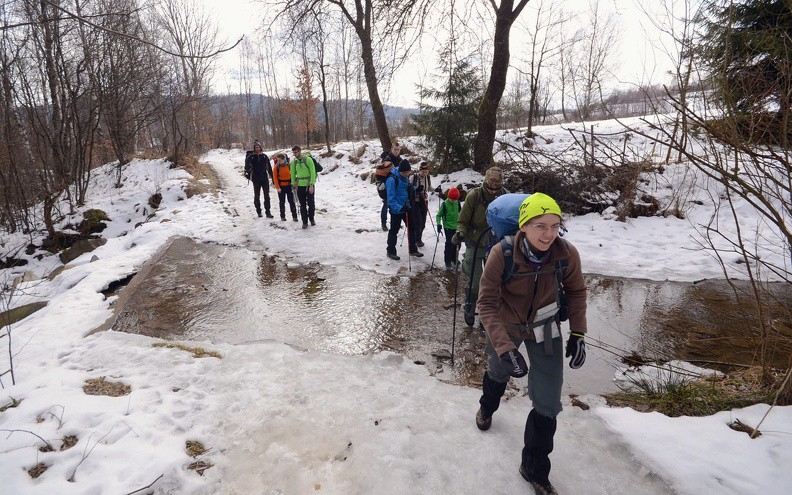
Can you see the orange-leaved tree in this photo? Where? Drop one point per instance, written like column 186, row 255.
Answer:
column 303, row 108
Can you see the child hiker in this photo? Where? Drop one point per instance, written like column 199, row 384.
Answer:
column 447, row 216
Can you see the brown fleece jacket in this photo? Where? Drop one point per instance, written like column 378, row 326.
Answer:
column 500, row 304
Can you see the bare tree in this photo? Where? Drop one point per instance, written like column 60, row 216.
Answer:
column 505, row 15
column 595, row 60
column 393, row 26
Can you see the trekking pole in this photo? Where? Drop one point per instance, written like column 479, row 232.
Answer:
column 456, row 290
column 437, row 241
column 409, row 254
column 473, row 267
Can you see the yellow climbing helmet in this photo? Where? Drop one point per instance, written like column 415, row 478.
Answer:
column 536, row 205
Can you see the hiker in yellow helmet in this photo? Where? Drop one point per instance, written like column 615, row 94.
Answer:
column 530, row 284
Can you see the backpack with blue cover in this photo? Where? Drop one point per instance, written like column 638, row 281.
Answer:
column 503, row 215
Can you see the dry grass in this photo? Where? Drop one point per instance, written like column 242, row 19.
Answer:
column 200, row 466
column 10, row 405
column 703, row 397
column 68, row 442
column 197, row 352
column 195, row 448
column 99, row 386
column 37, row 470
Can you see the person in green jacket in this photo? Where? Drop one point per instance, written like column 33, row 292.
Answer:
column 447, row 219
column 471, row 225
column 303, row 175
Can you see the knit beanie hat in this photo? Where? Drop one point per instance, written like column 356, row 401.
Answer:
column 404, row 166
column 424, row 166
column 494, row 177
column 256, row 143
column 453, row 193
column 536, row 205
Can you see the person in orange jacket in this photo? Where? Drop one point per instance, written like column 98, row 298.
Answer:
column 281, row 177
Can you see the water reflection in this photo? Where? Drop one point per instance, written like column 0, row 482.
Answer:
column 230, row 294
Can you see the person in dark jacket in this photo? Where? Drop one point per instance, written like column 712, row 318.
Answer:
column 398, row 187
column 259, row 170
column 422, row 184
column 471, row 228
column 527, row 309
column 393, row 157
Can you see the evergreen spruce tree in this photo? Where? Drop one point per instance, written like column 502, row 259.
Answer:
column 748, row 51
column 448, row 128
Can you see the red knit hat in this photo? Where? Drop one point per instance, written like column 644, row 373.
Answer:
column 453, row 193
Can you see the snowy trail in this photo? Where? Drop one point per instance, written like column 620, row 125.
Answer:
column 376, row 432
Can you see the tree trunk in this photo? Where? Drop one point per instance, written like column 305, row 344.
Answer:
column 377, row 109
column 488, row 109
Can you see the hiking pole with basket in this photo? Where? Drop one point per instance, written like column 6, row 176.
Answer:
column 456, row 291
column 437, row 241
column 468, row 303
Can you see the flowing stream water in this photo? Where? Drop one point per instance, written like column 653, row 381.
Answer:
column 209, row 292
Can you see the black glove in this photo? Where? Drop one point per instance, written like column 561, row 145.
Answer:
column 458, row 238
column 247, row 174
column 514, row 363
column 576, row 349
column 403, row 209
column 439, row 229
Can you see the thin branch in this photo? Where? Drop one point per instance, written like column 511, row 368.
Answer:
column 147, row 486
column 128, row 36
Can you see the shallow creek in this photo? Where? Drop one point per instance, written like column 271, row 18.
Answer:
column 209, row 292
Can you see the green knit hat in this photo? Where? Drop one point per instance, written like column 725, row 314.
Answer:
column 536, row 205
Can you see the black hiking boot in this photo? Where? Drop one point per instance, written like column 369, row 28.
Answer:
column 313, row 223
column 420, row 244
column 259, row 214
column 469, row 310
column 269, row 215
column 305, row 225
column 394, row 256
column 384, row 227
column 483, row 421
column 540, row 487
column 294, row 219
column 283, row 218
column 417, row 254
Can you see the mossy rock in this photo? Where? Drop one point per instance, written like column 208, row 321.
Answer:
column 93, row 222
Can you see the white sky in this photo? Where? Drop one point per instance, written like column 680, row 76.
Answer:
column 637, row 59
column 280, row 419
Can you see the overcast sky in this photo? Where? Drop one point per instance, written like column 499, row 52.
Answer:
column 637, row 59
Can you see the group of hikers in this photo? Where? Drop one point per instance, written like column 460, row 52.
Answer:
column 288, row 177
column 522, row 285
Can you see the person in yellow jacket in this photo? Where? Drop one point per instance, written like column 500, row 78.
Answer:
column 282, row 179
column 303, row 175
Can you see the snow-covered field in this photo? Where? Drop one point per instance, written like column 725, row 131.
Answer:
column 279, row 420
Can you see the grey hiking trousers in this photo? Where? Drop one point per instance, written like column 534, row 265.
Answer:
column 545, row 374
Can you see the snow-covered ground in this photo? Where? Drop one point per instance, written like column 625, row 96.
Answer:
column 280, row 420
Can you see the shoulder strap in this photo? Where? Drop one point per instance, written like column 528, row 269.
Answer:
column 507, row 245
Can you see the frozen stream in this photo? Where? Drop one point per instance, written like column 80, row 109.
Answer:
column 201, row 292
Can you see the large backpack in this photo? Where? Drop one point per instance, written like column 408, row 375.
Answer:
column 317, row 166
column 381, row 175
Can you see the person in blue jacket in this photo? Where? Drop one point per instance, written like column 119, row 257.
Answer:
column 397, row 186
